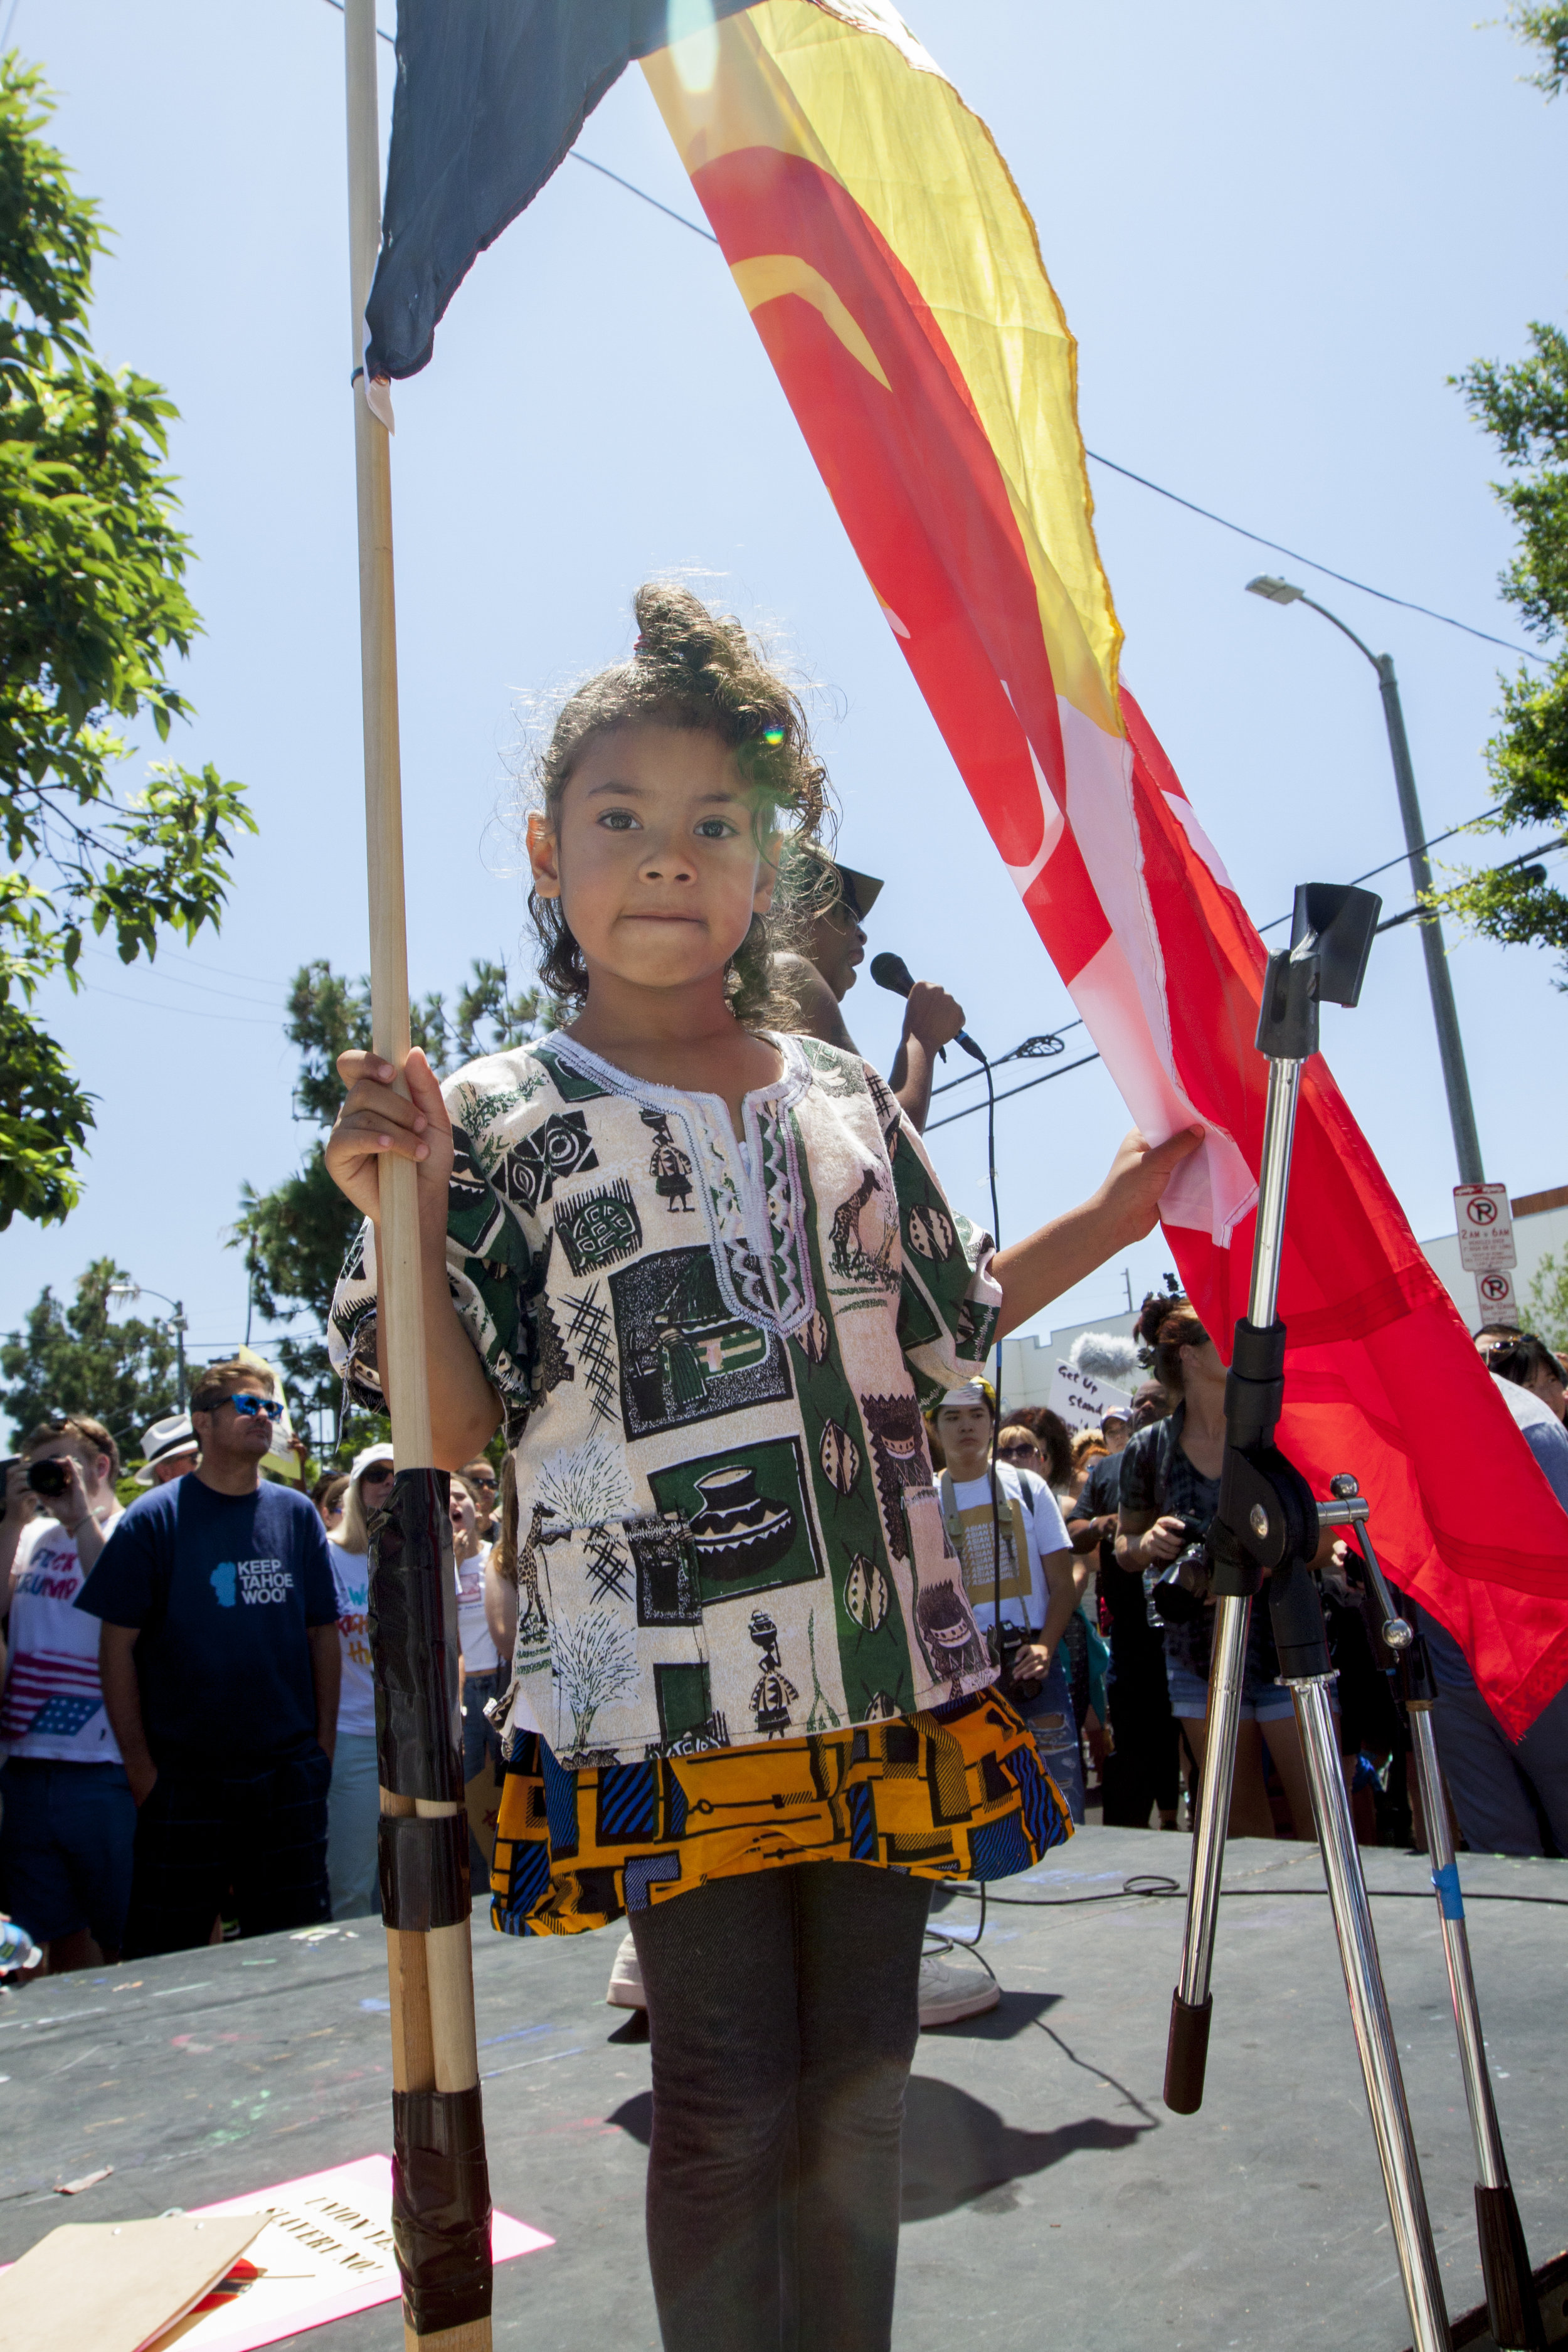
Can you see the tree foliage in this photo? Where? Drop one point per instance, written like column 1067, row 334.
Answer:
column 85, row 1358
column 1524, row 406
column 1545, row 29
column 1548, row 1299
column 296, row 1236
column 92, row 606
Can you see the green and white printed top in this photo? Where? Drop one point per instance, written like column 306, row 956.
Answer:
column 712, row 1358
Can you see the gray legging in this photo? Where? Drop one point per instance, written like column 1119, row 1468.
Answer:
column 783, row 2012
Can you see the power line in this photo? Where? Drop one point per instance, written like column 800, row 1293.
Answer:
column 1410, row 915
column 695, row 227
column 1080, row 1065
column 1051, row 1041
column 174, row 980
column 1526, row 856
column 1310, row 562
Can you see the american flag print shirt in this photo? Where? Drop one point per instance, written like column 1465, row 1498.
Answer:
column 53, row 1702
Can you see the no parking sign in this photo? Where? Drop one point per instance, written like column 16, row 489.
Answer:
column 1485, row 1221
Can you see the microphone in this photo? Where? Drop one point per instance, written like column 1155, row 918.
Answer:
column 891, row 972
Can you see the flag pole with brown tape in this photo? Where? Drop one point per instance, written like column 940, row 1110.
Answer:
column 441, row 2205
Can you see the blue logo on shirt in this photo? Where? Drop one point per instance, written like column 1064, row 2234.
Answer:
column 225, row 1576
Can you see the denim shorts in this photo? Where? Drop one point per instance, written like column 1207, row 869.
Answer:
column 66, row 1848
column 1261, row 1702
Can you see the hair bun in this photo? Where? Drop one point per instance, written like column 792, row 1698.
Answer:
column 677, row 631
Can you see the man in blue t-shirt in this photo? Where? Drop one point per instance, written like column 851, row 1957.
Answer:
column 220, row 1663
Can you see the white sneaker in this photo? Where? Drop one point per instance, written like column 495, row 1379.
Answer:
column 626, row 1979
column 952, row 1986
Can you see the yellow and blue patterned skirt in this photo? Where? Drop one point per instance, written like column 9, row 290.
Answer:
column 961, row 1794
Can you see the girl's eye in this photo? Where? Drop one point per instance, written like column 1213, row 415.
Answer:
column 716, row 828
column 619, row 821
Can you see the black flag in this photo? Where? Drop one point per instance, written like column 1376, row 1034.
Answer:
column 491, row 95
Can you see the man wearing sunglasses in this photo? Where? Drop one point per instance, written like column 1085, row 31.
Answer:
column 482, row 1479
column 218, row 1651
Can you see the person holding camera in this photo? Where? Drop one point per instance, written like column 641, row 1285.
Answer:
column 1169, row 1493
column 1020, row 1577
column 1142, row 1769
column 68, row 1816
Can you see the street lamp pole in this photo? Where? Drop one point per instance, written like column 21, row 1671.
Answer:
column 1439, row 982
column 133, row 1290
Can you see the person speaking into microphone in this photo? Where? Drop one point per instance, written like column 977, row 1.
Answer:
column 819, row 980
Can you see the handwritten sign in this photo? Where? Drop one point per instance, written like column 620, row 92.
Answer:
column 326, row 2250
column 1082, row 1401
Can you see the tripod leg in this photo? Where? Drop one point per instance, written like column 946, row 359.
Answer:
column 1191, row 2004
column 1370, row 2019
column 1513, row 2305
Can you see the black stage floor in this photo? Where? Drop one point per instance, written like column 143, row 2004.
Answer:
column 1050, row 2198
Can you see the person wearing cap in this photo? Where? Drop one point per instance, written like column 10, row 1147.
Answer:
column 820, row 980
column 219, row 1654
column 169, row 1449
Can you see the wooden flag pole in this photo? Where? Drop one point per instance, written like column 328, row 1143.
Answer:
column 441, row 2208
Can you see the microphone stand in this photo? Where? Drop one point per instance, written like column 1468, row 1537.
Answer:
column 1513, row 2307
column 1267, row 1521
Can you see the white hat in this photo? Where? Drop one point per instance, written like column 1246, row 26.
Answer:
column 363, row 1461
column 172, row 1435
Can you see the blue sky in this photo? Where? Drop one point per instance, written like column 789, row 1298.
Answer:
column 1276, row 233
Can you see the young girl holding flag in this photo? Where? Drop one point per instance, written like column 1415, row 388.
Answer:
column 703, row 1272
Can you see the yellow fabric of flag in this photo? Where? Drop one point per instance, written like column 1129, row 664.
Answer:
column 848, row 90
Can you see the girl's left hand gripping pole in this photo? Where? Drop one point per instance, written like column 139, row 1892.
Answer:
column 440, row 2197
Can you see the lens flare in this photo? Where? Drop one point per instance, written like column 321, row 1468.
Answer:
column 693, row 44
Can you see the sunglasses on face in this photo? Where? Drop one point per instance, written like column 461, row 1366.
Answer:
column 1017, row 1452
column 483, row 1481
column 254, row 1408
column 377, row 1475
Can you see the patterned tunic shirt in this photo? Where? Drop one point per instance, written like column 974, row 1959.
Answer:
column 712, row 1364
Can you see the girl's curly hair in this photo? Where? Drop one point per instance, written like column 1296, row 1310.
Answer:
column 695, row 669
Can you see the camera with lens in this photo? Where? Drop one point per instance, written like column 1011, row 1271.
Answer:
column 1004, row 1641
column 50, row 1477
column 1177, row 1593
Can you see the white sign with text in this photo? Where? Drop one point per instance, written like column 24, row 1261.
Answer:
column 1485, row 1221
column 1083, row 1403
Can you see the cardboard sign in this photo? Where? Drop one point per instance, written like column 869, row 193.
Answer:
column 1083, row 1403
column 1485, row 1222
column 117, row 2285
column 326, row 2250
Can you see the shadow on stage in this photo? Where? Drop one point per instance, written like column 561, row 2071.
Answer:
column 957, row 2150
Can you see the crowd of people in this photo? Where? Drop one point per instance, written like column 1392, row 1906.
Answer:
column 1133, row 1502
column 188, row 1712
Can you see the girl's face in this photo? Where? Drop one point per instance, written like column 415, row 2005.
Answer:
column 464, row 1522
column 656, row 859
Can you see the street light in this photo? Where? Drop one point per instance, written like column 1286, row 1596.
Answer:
column 133, row 1290
column 1456, row 1082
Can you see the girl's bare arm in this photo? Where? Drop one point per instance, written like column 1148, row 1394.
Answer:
column 465, row 1412
column 1126, row 1206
